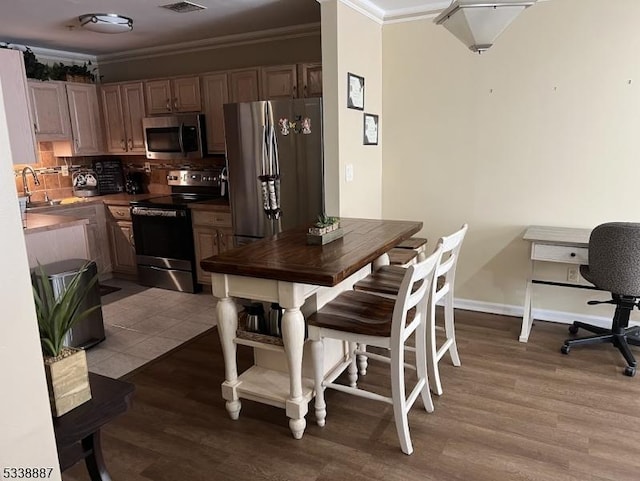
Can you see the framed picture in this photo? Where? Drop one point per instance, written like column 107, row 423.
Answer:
column 370, row 129
column 355, row 92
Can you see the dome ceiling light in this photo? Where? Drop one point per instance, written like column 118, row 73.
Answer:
column 106, row 22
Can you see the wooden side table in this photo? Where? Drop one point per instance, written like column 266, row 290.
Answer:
column 78, row 431
column 564, row 245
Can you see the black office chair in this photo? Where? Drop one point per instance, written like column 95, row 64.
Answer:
column 614, row 266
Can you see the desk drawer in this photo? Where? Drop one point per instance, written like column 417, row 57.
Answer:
column 564, row 254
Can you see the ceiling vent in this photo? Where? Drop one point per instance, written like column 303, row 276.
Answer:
column 183, row 7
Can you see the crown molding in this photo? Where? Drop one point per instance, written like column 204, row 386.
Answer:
column 284, row 33
column 364, row 7
column 381, row 16
column 397, row 15
column 63, row 55
column 51, row 55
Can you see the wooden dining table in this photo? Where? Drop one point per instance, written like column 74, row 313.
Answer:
column 301, row 278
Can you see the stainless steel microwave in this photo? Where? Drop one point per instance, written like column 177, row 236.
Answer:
column 170, row 137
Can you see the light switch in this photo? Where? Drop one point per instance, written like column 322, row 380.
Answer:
column 349, row 173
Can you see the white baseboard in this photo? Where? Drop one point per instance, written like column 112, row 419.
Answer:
column 538, row 314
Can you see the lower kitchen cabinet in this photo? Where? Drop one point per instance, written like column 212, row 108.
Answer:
column 212, row 234
column 96, row 230
column 121, row 242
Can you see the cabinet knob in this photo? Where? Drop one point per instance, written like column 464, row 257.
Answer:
column 295, row 91
column 304, row 91
column 122, row 144
column 573, row 254
column 77, row 142
column 130, row 144
column 175, row 103
column 169, row 105
column 35, row 127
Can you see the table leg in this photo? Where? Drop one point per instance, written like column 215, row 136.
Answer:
column 293, row 340
column 527, row 318
column 95, row 461
column 227, row 326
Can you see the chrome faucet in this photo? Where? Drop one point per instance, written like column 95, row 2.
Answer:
column 25, row 186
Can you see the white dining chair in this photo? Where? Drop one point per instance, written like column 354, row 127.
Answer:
column 386, row 282
column 364, row 318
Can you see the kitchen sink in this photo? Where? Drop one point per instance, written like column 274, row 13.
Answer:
column 43, row 203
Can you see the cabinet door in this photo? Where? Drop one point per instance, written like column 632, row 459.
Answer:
column 49, row 110
column 158, row 96
column 123, row 253
column 245, row 85
column 133, row 112
column 186, row 95
column 86, row 128
column 206, row 244
column 215, row 90
column 112, row 116
column 19, row 125
column 279, row 82
column 97, row 235
column 310, row 79
column 225, row 239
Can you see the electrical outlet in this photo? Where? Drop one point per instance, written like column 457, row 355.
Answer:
column 573, row 274
column 147, row 167
column 65, row 171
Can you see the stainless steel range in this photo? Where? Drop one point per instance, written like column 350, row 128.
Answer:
column 162, row 230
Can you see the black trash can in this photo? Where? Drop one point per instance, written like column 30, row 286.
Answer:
column 89, row 331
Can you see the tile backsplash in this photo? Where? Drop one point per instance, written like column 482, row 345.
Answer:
column 58, row 186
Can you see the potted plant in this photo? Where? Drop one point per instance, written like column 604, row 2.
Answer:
column 72, row 73
column 325, row 230
column 324, row 225
column 65, row 367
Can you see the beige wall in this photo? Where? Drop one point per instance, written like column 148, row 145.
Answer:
column 274, row 52
column 541, row 129
column 27, row 438
column 351, row 43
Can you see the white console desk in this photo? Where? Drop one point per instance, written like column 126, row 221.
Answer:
column 552, row 244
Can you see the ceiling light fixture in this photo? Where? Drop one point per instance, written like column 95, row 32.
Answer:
column 478, row 23
column 106, row 22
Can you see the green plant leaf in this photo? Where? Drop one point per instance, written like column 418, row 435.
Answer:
column 58, row 315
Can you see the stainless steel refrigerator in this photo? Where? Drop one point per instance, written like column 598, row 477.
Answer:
column 275, row 165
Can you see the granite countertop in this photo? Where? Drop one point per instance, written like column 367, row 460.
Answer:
column 123, row 198
column 44, row 222
column 213, row 204
column 109, row 199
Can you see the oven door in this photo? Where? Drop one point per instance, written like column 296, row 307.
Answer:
column 165, row 253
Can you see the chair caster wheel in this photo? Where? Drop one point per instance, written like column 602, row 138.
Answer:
column 629, row 371
column 565, row 349
column 573, row 329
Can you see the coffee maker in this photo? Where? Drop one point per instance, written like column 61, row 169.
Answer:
column 133, row 183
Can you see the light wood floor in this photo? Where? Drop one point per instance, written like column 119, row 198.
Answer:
column 512, row 411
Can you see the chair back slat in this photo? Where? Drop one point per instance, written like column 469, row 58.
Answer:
column 414, row 293
column 447, row 268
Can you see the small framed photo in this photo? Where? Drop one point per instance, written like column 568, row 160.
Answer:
column 370, row 129
column 355, row 91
